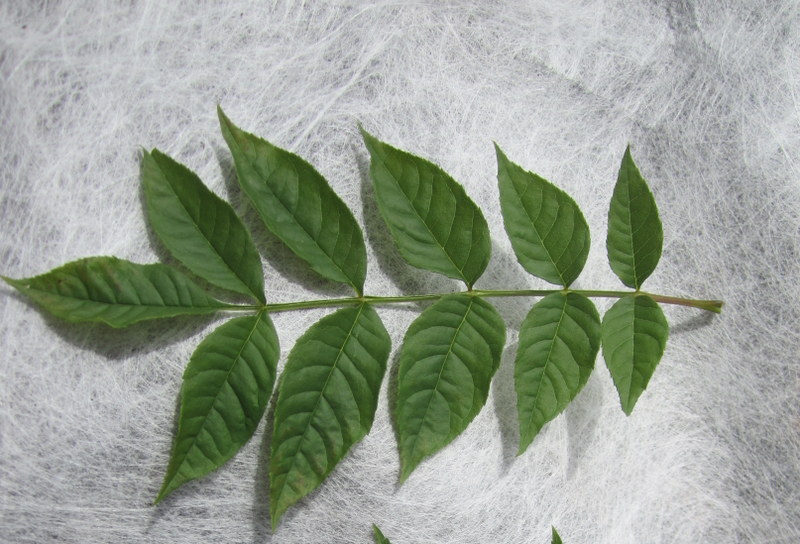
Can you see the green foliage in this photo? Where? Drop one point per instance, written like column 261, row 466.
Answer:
column 558, row 343
column 200, row 229
column 634, row 334
column 448, row 358
column 434, row 223
column 547, row 229
column 379, row 538
column 326, row 401
column 225, row 390
column 634, row 229
column 329, row 389
column 556, row 538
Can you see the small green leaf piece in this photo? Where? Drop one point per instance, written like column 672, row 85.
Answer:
column 200, row 229
column 635, row 236
column 634, row 334
column 547, row 230
column 298, row 206
column 116, row 292
column 558, row 344
column 432, row 220
column 226, row 387
column 327, row 399
column 556, row 538
column 379, row 538
column 448, row 358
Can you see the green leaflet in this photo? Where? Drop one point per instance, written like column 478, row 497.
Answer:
column 434, row 223
column 327, row 399
column 226, row 387
column 298, row 206
column 379, row 538
column 634, row 333
column 635, row 235
column 448, row 358
column 200, row 229
column 558, row 344
column 556, row 538
column 547, row 229
column 116, row 292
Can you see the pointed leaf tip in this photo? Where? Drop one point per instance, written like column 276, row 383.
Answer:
column 433, row 222
column 634, row 334
column 548, row 232
column 326, row 401
column 446, row 363
column 200, row 229
column 298, row 206
column 635, row 235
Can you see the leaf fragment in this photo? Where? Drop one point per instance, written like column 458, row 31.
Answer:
column 448, row 358
column 635, row 236
column 327, row 399
column 298, row 206
column 379, row 538
column 547, row 230
column 558, row 344
column 435, row 225
column 556, row 538
column 200, row 229
column 116, row 292
column 634, row 333
column 225, row 390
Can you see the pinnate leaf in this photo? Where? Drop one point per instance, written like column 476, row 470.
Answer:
column 448, row 358
column 379, row 538
column 558, row 344
column 635, row 235
column 327, row 399
column 116, row 292
column 200, row 229
column 432, row 220
column 298, row 206
column 226, row 387
column 634, row 333
column 547, row 229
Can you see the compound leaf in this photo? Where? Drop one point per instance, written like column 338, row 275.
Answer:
column 448, row 358
column 558, row 344
column 200, row 229
column 635, row 235
column 379, row 538
column 556, row 538
column 547, row 229
column 634, row 333
column 226, row 387
column 116, row 292
column 432, row 220
column 298, row 206
column 326, row 401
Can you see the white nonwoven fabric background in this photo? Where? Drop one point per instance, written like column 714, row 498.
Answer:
column 706, row 93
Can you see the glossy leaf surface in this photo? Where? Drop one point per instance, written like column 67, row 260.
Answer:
column 547, row 229
column 635, row 235
column 558, row 344
column 432, row 220
column 448, row 358
column 327, row 399
column 200, row 229
column 226, row 387
column 634, row 334
column 298, row 206
column 116, row 292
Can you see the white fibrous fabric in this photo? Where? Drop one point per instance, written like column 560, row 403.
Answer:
column 706, row 94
